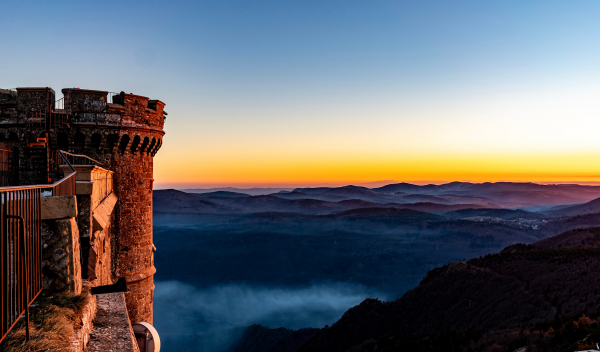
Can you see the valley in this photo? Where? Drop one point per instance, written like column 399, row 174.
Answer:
column 361, row 240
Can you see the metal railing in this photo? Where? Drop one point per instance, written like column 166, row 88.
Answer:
column 102, row 179
column 21, row 247
column 62, row 104
column 77, row 159
column 66, row 185
column 5, row 165
column 20, row 254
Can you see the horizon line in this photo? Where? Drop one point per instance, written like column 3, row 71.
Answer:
column 372, row 184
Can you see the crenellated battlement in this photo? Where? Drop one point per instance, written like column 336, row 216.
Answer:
column 24, row 105
column 34, row 99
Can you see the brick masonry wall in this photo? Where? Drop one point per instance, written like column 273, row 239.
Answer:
column 134, row 188
column 131, row 239
column 133, row 184
column 139, row 298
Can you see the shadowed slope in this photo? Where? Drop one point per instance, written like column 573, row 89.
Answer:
column 575, row 238
column 519, row 287
column 581, row 209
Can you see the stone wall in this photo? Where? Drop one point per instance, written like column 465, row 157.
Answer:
column 80, row 341
column 34, row 99
column 61, row 255
column 96, row 202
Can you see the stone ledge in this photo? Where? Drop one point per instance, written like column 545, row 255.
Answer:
column 103, row 212
column 82, row 334
column 60, row 207
column 112, row 329
column 141, row 275
column 85, row 172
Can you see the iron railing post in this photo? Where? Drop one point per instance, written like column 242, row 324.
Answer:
column 25, row 267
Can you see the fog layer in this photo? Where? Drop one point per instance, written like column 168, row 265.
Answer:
column 192, row 319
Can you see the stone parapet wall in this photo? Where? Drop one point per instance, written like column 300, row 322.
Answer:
column 100, row 268
column 112, row 328
column 22, row 104
column 35, row 99
column 83, row 105
column 93, row 181
column 96, row 202
column 82, row 334
column 61, row 256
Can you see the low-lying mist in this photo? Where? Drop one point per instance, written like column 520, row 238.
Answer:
column 192, row 319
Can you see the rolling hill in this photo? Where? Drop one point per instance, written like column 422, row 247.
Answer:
column 173, row 201
column 506, row 214
column 524, row 194
column 223, row 194
column 580, row 209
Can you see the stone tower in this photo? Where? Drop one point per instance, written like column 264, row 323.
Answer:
column 124, row 132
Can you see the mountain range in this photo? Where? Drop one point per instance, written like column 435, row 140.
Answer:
column 549, row 200
column 482, row 195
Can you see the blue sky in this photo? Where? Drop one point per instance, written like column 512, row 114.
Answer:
column 322, row 82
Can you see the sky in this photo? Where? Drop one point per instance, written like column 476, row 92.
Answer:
column 300, row 93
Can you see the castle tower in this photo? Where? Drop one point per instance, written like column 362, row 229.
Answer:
column 123, row 131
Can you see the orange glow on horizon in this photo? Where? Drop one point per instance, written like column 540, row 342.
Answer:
column 315, row 171
column 504, row 133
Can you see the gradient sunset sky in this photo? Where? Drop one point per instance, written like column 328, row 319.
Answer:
column 297, row 93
